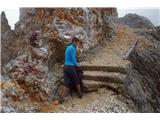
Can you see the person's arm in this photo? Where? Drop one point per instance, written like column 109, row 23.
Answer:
column 73, row 56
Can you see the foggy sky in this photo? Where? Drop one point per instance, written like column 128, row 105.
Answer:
column 153, row 14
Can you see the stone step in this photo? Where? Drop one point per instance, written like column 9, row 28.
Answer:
column 118, row 69
column 90, row 86
column 104, row 77
column 101, row 73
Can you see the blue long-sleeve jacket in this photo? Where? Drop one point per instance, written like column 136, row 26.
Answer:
column 70, row 55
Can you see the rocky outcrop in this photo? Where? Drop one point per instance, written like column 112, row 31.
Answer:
column 55, row 28
column 7, row 38
column 36, row 47
column 26, row 83
column 154, row 33
column 143, row 80
column 16, row 99
column 136, row 21
column 58, row 26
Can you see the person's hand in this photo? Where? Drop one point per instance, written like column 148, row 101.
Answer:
column 78, row 65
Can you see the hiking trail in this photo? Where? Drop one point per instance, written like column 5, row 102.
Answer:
column 102, row 99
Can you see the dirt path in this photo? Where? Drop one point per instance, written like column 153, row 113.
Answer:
column 103, row 100
column 112, row 52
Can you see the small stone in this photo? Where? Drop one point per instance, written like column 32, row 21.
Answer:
column 56, row 102
column 63, row 107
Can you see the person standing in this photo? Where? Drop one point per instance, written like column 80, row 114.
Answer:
column 69, row 70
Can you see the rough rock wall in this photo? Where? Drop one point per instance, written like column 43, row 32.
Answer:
column 12, row 41
column 57, row 26
column 143, row 80
column 7, row 36
column 55, row 29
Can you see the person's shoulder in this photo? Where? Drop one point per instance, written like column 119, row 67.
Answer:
column 68, row 46
column 71, row 47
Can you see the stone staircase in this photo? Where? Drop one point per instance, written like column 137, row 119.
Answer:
column 96, row 77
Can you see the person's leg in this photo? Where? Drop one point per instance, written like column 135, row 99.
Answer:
column 76, row 80
column 78, row 87
column 64, row 86
column 63, row 91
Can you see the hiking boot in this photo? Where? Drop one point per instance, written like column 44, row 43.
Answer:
column 80, row 96
column 61, row 100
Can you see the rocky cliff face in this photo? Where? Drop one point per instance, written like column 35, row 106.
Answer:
column 56, row 27
column 7, row 38
column 36, row 46
column 136, row 21
column 143, row 80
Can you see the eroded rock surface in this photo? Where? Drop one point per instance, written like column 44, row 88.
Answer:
column 143, row 81
column 7, row 38
column 33, row 52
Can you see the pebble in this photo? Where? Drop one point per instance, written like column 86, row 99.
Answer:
column 56, row 102
column 103, row 103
